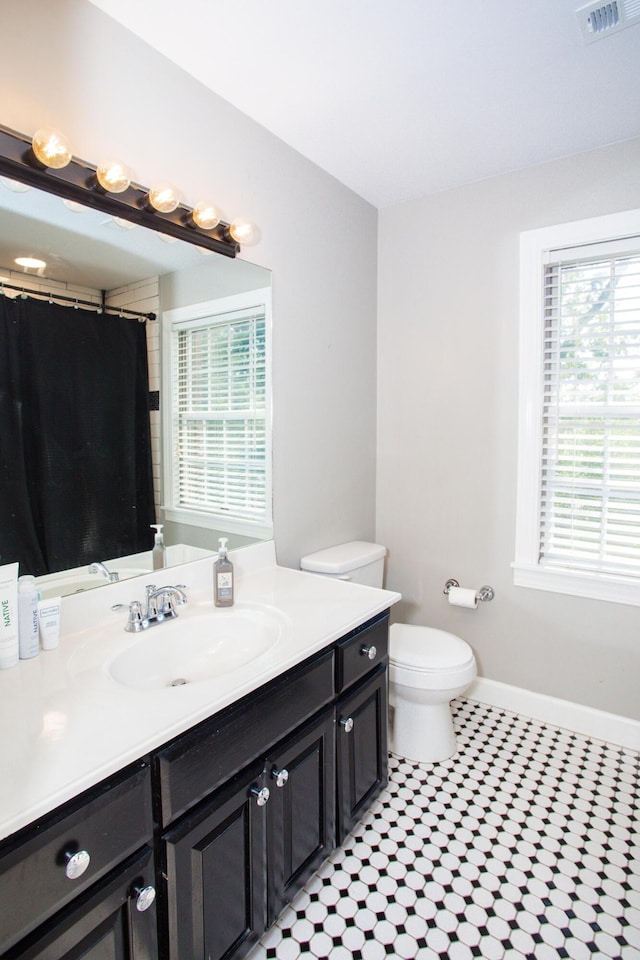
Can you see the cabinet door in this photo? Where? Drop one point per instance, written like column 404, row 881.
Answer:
column 114, row 920
column 301, row 809
column 361, row 749
column 216, row 873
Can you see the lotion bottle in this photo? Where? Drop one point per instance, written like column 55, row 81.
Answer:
column 9, row 646
column 159, row 552
column 28, row 617
column 223, row 577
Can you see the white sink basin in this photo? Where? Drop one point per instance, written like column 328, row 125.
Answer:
column 197, row 648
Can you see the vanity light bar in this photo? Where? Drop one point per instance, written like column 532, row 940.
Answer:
column 78, row 181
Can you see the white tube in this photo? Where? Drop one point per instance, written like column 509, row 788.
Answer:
column 9, row 646
column 28, row 617
column 49, row 620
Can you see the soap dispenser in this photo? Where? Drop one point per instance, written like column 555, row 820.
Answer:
column 159, row 552
column 223, row 577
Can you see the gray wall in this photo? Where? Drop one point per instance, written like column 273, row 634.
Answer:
column 70, row 66
column 447, row 434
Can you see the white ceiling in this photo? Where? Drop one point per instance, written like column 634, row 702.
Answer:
column 402, row 98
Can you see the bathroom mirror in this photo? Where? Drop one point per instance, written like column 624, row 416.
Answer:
column 88, row 251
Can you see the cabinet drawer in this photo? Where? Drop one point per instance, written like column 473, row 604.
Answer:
column 353, row 653
column 102, row 924
column 197, row 763
column 109, row 822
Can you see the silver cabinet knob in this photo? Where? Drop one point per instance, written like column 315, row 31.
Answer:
column 280, row 776
column 76, row 864
column 347, row 725
column 144, row 896
column 369, row 651
column 261, row 794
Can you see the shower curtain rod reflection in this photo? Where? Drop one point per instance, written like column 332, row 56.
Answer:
column 78, row 302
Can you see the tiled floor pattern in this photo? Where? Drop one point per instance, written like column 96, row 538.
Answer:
column 526, row 844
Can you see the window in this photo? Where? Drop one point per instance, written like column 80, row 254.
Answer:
column 578, row 522
column 218, row 429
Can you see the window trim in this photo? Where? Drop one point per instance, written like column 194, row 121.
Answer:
column 535, row 247
column 189, row 316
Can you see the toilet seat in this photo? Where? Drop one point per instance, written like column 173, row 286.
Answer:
column 427, row 658
column 425, row 648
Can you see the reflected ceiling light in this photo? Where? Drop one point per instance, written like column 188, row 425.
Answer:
column 205, row 215
column 113, row 176
column 15, row 185
column 244, row 232
column 51, row 148
column 30, row 263
column 164, row 197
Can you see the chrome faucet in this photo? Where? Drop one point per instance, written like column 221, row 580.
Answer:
column 99, row 567
column 160, row 605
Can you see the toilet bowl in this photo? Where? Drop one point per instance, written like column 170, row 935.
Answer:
column 428, row 668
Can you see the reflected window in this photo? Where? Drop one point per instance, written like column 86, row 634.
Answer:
column 218, row 429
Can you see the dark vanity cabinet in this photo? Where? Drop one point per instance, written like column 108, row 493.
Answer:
column 246, row 806
column 361, row 722
column 81, row 881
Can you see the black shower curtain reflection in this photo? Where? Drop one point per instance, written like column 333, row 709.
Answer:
column 75, row 452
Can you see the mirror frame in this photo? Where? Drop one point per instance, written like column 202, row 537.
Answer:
column 77, row 181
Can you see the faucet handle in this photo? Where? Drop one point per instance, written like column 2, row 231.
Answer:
column 136, row 621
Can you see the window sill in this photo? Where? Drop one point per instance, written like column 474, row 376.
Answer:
column 595, row 587
column 245, row 528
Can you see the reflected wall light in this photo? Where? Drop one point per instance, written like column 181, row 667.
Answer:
column 51, row 148
column 45, row 161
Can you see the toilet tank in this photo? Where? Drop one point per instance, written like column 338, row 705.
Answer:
column 356, row 561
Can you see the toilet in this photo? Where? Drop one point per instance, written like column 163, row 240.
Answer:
column 428, row 668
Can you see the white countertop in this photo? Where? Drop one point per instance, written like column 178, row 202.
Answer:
column 66, row 724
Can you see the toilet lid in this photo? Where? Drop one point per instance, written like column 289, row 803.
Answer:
column 424, row 648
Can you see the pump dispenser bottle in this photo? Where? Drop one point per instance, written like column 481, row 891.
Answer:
column 159, row 552
column 223, row 577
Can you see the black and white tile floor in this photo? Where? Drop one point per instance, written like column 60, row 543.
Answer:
column 525, row 844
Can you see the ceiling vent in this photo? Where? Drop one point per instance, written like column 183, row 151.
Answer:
column 598, row 20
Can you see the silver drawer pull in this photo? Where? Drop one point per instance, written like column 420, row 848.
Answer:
column 145, row 896
column 280, row 776
column 76, row 864
column 369, row 651
column 347, row 725
column 261, row 794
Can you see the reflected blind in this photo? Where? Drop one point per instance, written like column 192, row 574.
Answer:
column 220, row 416
column 590, row 484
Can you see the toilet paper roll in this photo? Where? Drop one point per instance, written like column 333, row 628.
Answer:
column 463, row 597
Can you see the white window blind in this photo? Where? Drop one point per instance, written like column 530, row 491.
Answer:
column 220, row 413
column 590, row 478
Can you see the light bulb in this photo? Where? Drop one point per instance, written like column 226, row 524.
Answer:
column 51, row 148
column 244, row 232
column 164, row 197
column 113, row 176
column 205, row 215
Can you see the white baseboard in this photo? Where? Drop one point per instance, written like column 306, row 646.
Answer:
column 561, row 713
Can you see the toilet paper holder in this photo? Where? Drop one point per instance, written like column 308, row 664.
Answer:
column 483, row 594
